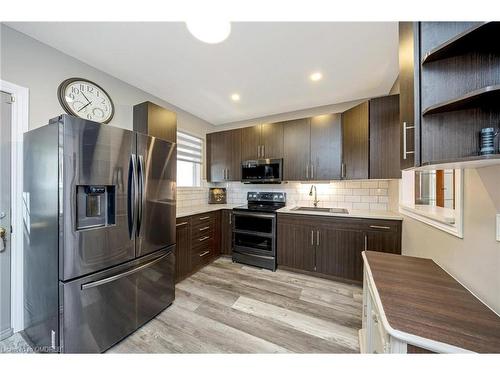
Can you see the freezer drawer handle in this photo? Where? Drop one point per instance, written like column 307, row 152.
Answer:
column 120, row 275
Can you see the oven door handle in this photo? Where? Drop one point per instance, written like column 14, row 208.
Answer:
column 254, row 214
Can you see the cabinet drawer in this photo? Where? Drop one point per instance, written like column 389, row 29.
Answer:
column 203, row 220
column 202, row 240
column 381, row 225
column 202, row 254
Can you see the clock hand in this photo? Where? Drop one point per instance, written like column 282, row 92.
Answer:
column 88, row 101
column 84, row 106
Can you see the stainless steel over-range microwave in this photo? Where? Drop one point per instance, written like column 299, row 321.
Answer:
column 262, row 171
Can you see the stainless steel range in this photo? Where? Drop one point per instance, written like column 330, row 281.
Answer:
column 254, row 229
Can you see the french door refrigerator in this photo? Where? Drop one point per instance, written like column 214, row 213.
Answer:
column 99, row 215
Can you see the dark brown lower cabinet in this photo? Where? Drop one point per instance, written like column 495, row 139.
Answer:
column 182, row 249
column 295, row 245
column 331, row 246
column 226, row 247
column 198, row 242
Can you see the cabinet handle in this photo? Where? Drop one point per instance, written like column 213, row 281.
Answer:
column 379, row 227
column 405, row 128
column 204, row 238
column 204, row 228
column 366, row 242
column 307, row 170
column 317, row 237
column 204, row 217
column 312, row 238
column 263, row 151
column 230, row 218
column 181, row 224
column 204, row 253
column 312, row 171
column 342, row 172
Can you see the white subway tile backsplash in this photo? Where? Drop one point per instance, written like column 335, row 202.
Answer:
column 363, row 194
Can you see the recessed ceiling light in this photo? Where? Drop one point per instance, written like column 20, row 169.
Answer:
column 209, row 31
column 316, row 76
column 235, row 97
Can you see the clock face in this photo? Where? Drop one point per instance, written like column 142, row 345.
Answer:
column 85, row 99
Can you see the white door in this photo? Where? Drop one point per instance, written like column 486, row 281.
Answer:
column 5, row 219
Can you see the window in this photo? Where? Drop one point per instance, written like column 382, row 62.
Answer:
column 189, row 160
column 433, row 197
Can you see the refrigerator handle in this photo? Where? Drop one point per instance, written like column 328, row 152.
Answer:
column 142, row 193
column 132, row 195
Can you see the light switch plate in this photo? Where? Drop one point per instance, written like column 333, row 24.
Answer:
column 498, row 227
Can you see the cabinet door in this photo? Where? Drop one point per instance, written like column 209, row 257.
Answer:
column 296, row 246
column 250, row 143
column 233, row 142
column 384, row 137
column 384, row 241
column 217, row 156
column 182, row 249
column 326, row 147
column 355, row 142
column 339, row 253
column 406, row 96
column 272, row 141
column 224, row 156
column 297, row 150
column 227, row 232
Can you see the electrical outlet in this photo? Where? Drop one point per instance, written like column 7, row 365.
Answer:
column 498, row 227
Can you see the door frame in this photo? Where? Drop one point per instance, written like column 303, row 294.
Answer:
column 20, row 125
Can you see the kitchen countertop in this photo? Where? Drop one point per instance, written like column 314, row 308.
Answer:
column 366, row 214
column 422, row 304
column 188, row 211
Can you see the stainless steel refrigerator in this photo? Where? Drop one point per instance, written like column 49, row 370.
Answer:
column 99, row 215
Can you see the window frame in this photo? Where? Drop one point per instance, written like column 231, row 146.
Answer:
column 201, row 164
column 434, row 217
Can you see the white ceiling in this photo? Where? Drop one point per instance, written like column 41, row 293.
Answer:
column 268, row 64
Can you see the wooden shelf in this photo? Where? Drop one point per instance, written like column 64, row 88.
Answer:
column 485, row 33
column 479, row 161
column 474, row 98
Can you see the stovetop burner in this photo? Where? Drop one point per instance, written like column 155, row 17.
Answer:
column 264, row 202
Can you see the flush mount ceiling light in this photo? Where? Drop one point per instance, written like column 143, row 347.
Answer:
column 209, row 31
column 316, row 76
column 235, row 97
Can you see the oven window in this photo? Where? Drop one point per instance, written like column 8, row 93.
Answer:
column 259, row 172
column 253, row 241
column 253, row 224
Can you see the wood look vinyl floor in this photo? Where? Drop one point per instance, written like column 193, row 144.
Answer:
column 231, row 308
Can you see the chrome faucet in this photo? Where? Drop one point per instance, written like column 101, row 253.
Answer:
column 315, row 202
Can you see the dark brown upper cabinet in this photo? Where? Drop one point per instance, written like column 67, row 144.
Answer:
column 326, row 147
column 297, row 149
column 384, row 137
column 407, row 123
column 224, row 156
column 355, row 142
column 156, row 121
column 313, row 148
column 370, row 139
column 262, row 142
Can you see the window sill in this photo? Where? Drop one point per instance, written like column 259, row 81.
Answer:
column 437, row 217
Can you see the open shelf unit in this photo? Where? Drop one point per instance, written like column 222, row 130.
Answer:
column 471, row 99
column 465, row 41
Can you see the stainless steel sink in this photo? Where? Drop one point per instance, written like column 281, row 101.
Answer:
column 321, row 209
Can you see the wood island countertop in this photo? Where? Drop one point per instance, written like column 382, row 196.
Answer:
column 419, row 298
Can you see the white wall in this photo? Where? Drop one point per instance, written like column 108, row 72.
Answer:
column 32, row 64
column 475, row 259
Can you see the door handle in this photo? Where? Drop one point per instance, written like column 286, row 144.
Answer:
column 132, row 196
column 2, row 239
column 142, row 193
column 405, row 151
column 366, row 242
column 312, row 238
column 317, row 237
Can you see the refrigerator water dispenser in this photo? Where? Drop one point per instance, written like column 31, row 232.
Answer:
column 95, row 206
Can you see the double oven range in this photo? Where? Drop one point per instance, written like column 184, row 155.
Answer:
column 254, row 229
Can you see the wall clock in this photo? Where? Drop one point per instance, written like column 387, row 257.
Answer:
column 86, row 99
